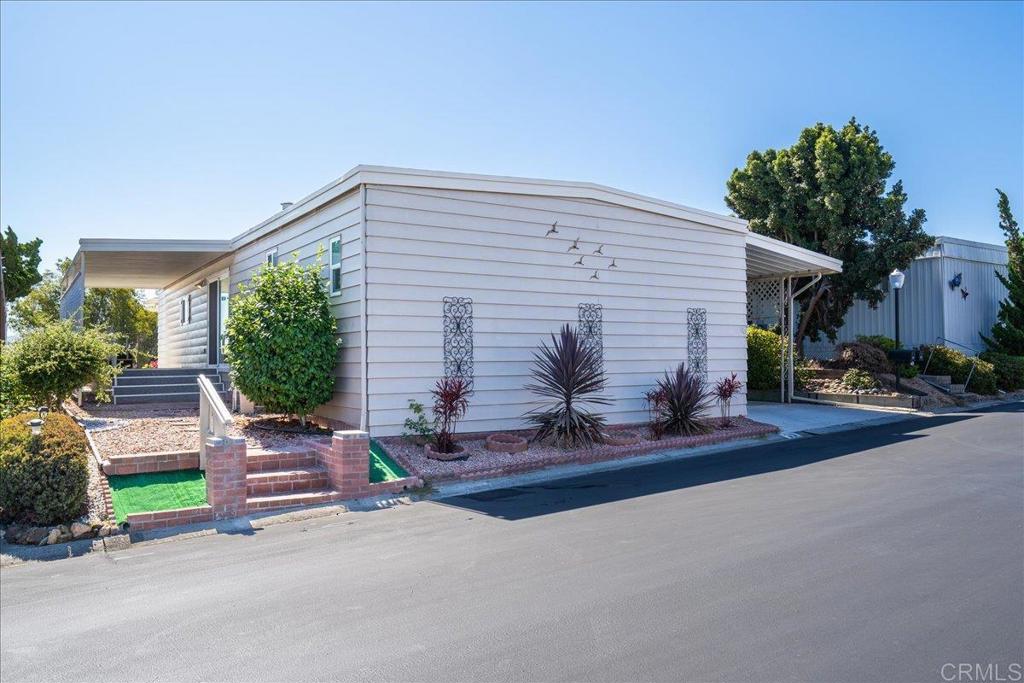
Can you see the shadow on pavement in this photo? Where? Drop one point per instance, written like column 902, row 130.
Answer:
column 523, row 502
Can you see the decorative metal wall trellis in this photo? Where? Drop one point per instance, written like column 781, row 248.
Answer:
column 590, row 328
column 458, row 337
column 697, row 340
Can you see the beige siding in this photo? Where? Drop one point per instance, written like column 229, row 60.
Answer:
column 305, row 237
column 184, row 345
column 425, row 244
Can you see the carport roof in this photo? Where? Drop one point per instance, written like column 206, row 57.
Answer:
column 767, row 257
column 144, row 263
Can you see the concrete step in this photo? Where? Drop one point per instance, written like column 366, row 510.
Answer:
column 165, row 397
column 259, row 460
column 938, row 379
column 146, row 389
column 957, row 388
column 271, row 482
column 156, row 380
column 152, row 372
column 288, row 500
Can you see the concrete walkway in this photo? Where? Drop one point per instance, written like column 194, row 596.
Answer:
column 812, row 417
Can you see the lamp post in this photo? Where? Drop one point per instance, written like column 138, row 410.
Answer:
column 896, row 282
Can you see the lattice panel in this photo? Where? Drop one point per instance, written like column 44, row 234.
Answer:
column 697, row 340
column 590, row 326
column 458, row 337
column 764, row 303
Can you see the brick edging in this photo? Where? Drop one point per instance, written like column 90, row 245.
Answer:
column 163, row 461
column 163, row 519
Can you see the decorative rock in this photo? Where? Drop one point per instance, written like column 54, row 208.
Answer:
column 506, row 443
column 430, row 452
column 621, row 438
column 35, row 535
column 79, row 530
column 104, row 531
column 52, row 537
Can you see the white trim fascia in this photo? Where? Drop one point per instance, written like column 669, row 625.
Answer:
column 118, row 244
column 816, row 262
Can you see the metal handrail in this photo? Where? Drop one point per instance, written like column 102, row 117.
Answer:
column 214, row 416
column 963, row 346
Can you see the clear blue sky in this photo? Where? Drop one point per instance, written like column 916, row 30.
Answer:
column 195, row 120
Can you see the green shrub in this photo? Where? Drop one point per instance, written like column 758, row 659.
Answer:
column 764, row 358
column 13, row 397
column 53, row 361
column 947, row 361
column 1009, row 370
column 43, row 479
column 886, row 344
column 863, row 356
column 909, row 371
column 855, row 379
column 281, row 344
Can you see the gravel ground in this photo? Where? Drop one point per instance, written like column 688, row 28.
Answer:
column 480, row 460
column 120, row 430
column 97, row 508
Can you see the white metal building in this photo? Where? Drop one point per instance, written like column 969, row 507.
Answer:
column 432, row 273
column 950, row 293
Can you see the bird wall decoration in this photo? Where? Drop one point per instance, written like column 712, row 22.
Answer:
column 964, row 293
column 579, row 262
column 955, row 282
column 575, row 246
column 599, row 251
column 594, row 276
column 613, row 264
column 553, row 230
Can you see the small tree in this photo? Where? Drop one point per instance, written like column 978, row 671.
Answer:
column 52, row 362
column 1007, row 334
column 281, row 341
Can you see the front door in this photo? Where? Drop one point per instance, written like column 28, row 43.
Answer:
column 213, row 322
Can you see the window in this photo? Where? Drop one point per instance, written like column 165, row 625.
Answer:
column 181, row 312
column 188, row 308
column 336, row 265
column 272, row 257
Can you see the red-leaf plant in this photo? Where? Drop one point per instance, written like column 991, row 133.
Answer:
column 451, row 401
column 724, row 390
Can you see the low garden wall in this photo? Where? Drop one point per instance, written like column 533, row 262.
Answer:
column 140, row 463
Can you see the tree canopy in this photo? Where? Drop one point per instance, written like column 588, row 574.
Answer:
column 1007, row 334
column 19, row 271
column 828, row 193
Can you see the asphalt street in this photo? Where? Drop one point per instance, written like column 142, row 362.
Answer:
column 882, row 554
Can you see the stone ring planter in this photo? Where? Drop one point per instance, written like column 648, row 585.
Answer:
column 506, row 443
column 622, row 439
column 430, row 452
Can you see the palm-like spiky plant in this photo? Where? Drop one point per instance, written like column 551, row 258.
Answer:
column 683, row 397
column 569, row 376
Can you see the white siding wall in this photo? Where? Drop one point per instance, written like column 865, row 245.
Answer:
column 965, row 320
column 178, row 345
column 305, row 237
column 423, row 245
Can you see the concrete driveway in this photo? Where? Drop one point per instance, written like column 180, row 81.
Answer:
column 803, row 417
column 883, row 554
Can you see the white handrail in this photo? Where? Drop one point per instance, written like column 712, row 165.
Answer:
column 214, row 416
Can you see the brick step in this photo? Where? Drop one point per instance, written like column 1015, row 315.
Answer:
column 286, row 481
column 260, row 460
column 287, row 500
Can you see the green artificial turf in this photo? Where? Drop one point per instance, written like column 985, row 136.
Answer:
column 155, row 491
column 382, row 467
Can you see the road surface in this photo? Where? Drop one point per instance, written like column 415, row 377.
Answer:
column 884, row 554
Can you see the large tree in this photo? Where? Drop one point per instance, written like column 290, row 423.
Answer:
column 1007, row 334
column 828, row 193
column 19, row 271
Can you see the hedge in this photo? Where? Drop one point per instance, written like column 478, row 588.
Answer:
column 43, row 479
column 764, row 359
column 1009, row 369
column 947, row 361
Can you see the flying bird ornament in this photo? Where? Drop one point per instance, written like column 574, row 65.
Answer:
column 964, row 293
column 553, row 230
column 575, row 246
column 598, row 251
column 594, row 276
column 579, row 262
column 613, row 264
column 955, row 282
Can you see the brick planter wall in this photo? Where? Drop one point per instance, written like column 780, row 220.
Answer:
column 138, row 463
column 225, row 476
column 144, row 521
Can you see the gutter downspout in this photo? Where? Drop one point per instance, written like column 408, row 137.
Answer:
column 364, row 417
column 792, row 332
